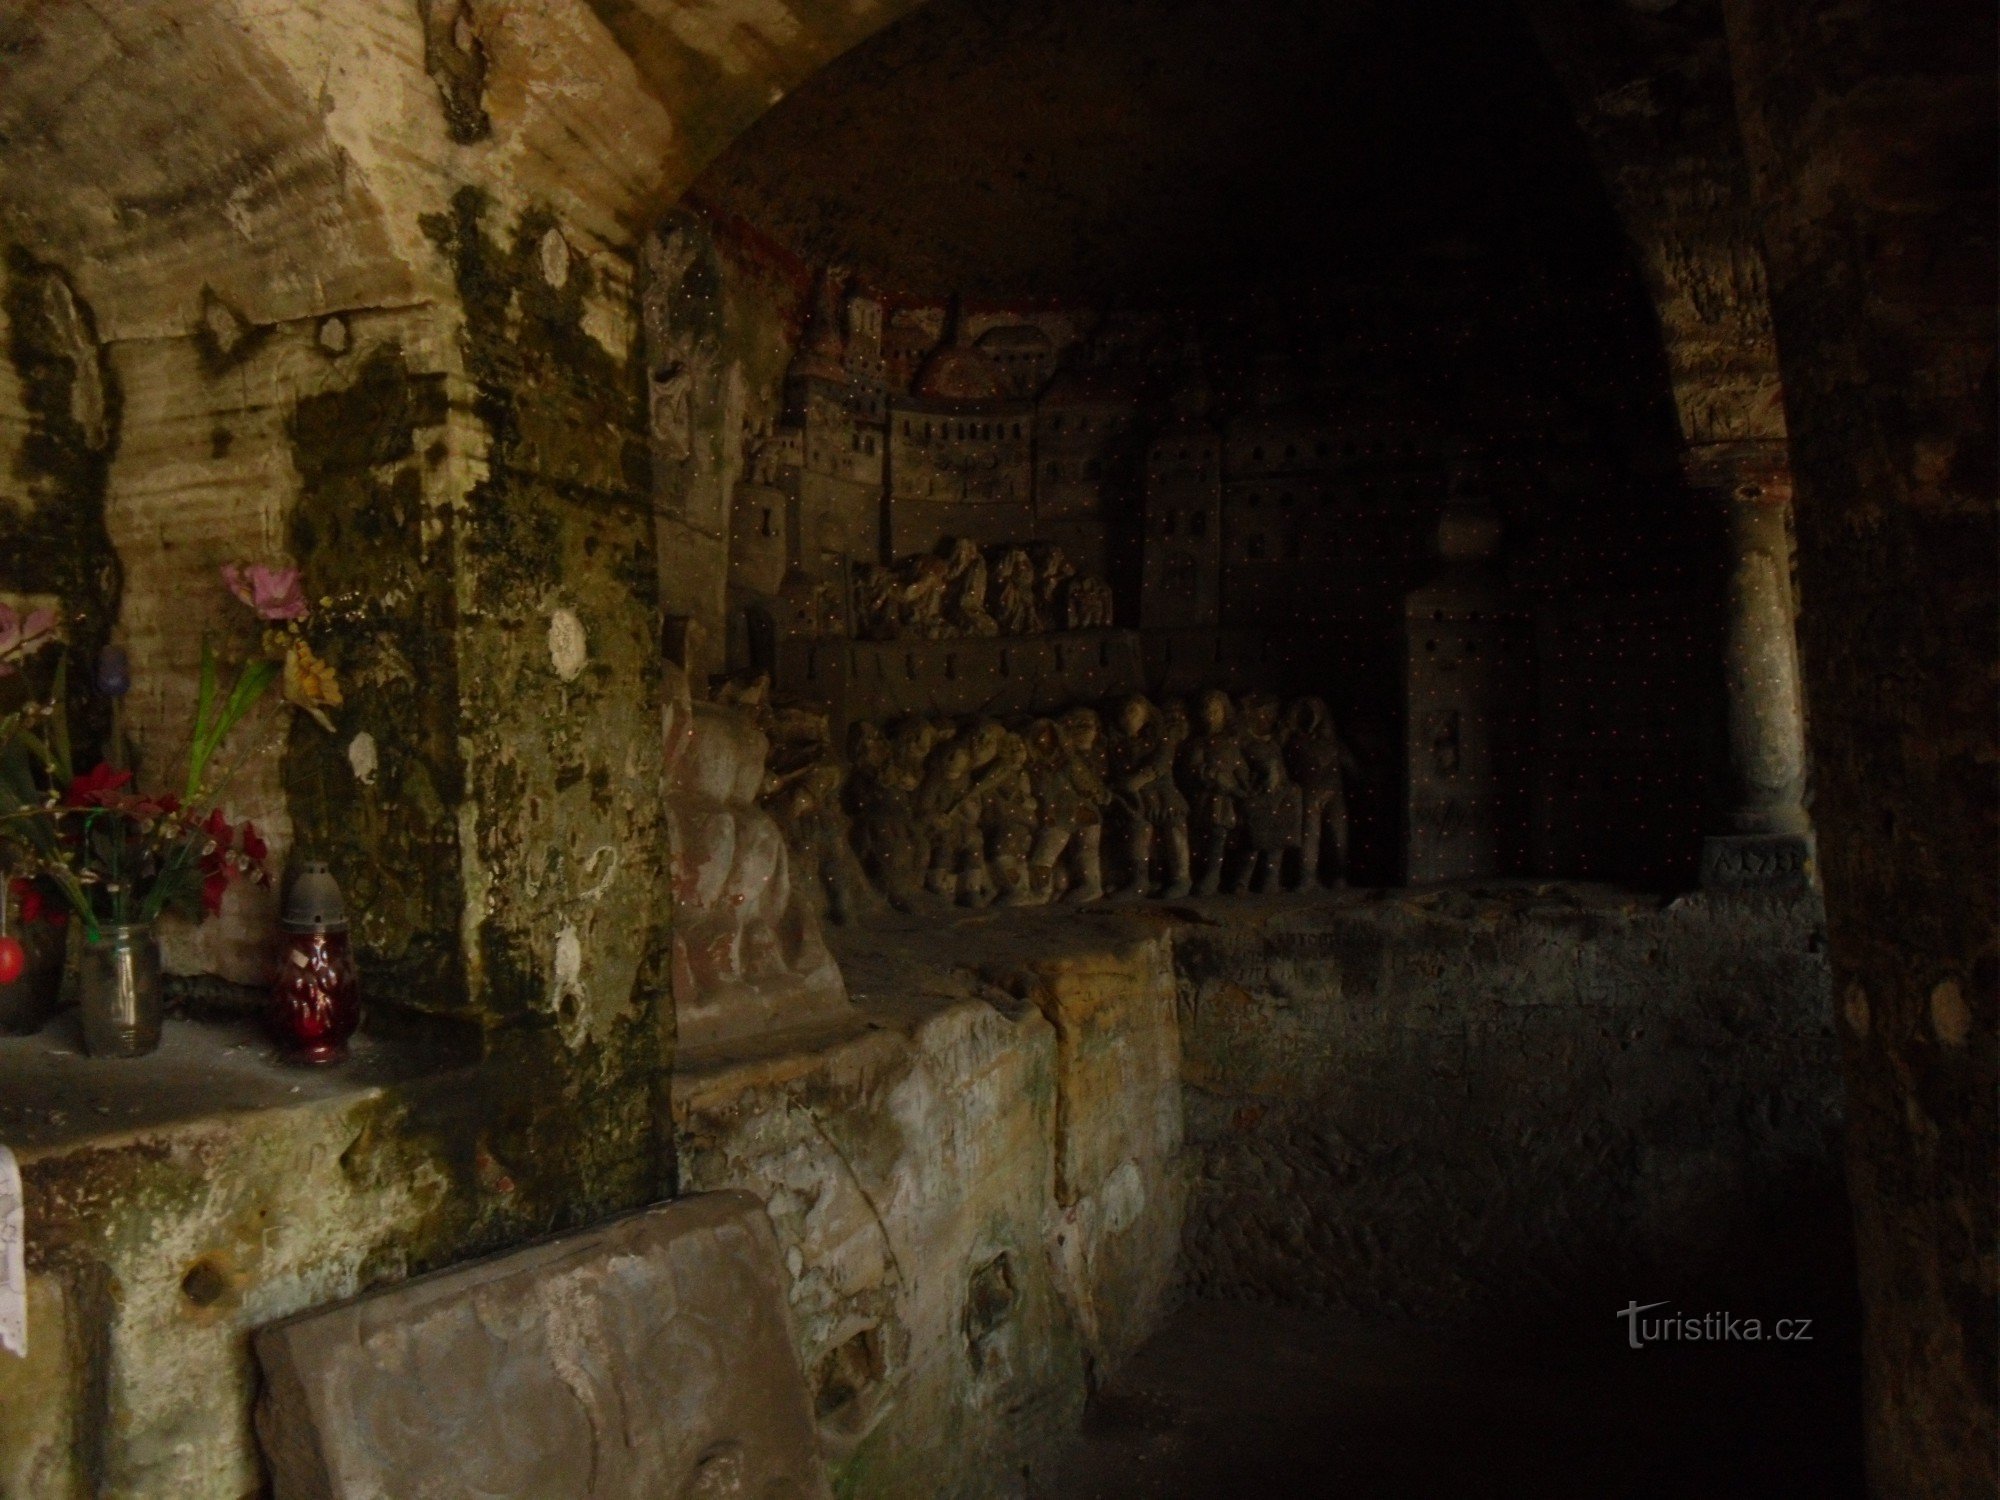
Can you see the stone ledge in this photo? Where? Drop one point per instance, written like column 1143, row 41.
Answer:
column 54, row 1098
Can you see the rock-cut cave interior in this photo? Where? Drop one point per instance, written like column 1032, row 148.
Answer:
column 997, row 749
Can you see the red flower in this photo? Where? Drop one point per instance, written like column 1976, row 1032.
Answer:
column 96, row 787
column 29, row 896
column 232, row 851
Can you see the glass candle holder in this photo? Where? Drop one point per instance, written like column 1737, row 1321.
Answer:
column 316, row 999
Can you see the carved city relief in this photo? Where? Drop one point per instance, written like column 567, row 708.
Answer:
column 959, row 512
column 681, row 319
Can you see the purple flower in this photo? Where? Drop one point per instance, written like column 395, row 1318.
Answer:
column 273, row 592
column 114, row 672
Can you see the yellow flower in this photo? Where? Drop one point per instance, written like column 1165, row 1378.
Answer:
column 310, row 683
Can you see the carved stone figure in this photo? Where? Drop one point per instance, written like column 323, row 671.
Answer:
column 807, row 806
column 1014, row 603
column 1141, row 756
column 921, row 598
column 1083, row 748
column 877, row 601
column 1006, row 806
column 1053, row 576
column 888, row 835
column 1088, row 604
column 1216, row 776
column 965, row 591
column 748, row 954
column 1272, row 807
column 1068, row 791
column 1319, row 763
column 949, row 810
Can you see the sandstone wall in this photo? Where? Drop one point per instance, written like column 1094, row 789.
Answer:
column 979, row 1195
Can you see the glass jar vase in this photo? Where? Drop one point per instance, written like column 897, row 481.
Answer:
column 118, row 990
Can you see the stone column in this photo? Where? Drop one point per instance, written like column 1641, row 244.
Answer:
column 1768, row 841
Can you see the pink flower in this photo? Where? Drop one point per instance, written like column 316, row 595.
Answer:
column 273, row 592
column 18, row 636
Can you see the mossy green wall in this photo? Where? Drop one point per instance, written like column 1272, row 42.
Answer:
column 53, row 539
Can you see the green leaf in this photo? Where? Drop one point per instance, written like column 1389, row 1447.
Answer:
column 59, row 760
column 251, row 684
column 202, row 746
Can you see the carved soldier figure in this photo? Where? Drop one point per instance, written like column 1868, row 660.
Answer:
column 1054, row 824
column 1053, row 575
column 1320, row 764
column 877, row 602
column 881, row 796
column 1069, row 791
column 1014, row 604
column 1216, row 776
column 806, row 804
column 965, row 590
column 1083, row 746
column 1141, row 757
column 1006, row 804
column 1272, row 808
column 1088, row 604
column 920, row 603
column 950, row 815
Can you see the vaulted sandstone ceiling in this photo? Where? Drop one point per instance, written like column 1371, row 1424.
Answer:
column 1146, row 149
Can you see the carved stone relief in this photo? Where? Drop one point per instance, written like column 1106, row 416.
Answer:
column 749, row 957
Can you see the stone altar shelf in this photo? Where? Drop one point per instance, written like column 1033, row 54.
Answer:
column 54, row 1098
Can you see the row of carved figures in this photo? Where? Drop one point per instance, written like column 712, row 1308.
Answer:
column 962, row 590
column 1142, row 799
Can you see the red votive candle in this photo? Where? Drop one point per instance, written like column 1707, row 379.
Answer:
column 316, row 999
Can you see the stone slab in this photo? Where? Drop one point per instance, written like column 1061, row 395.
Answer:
column 650, row 1356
